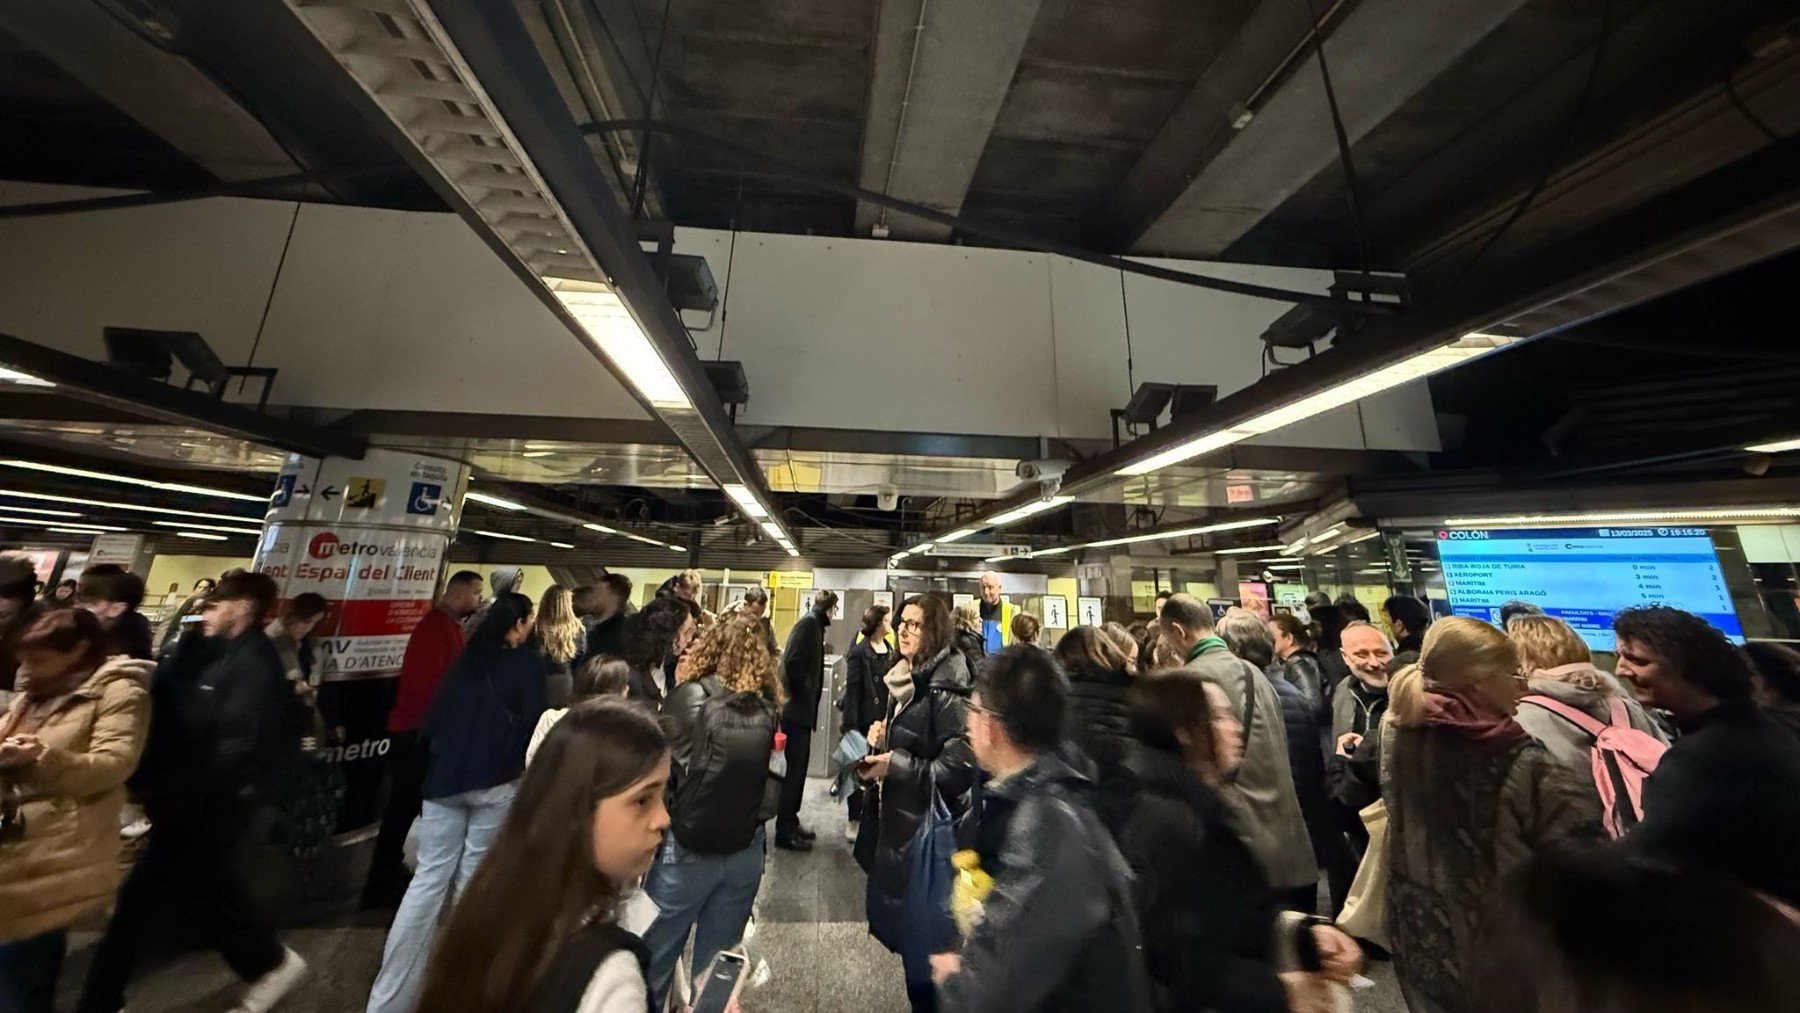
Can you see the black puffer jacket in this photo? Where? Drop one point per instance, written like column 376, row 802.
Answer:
column 1303, row 670
column 972, row 648
column 1060, row 929
column 1100, row 723
column 929, row 736
column 865, row 695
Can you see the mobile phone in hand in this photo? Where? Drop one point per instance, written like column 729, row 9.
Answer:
column 724, row 980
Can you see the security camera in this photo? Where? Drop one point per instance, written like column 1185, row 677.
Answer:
column 887, row 497
column 1042, row 470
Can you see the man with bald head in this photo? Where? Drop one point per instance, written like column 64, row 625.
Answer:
column 996, row 614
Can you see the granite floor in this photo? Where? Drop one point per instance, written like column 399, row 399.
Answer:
column 810, row 942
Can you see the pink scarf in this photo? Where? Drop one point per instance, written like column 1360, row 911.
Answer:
column 1471, row 716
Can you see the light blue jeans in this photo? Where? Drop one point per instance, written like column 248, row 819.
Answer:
column 708, row 895
column 454, row 834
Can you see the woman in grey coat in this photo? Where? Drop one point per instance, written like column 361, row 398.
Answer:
column 1558, row 665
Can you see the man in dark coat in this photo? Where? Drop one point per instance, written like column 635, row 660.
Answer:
column 803, row 672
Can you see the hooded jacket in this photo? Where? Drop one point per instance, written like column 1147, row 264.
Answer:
column 66, row 867
column 1567, row 744
column 927, row 737
column 1059, row 931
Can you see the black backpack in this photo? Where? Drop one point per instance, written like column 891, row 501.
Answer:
column 720, row 800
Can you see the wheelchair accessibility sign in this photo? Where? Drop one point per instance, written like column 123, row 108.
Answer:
column 425, row 498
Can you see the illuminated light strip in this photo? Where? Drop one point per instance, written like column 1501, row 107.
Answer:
column 83, row 529
column 13, row 376
column 43, row 513
column 1158, row 536
column 563, row 545
column 79, row 501
column 501, row 535
column 1470, row 346
column 1697, row 514
column 746, row 501
column 774, row 531
column 1248, row 549
column 1779, row 446
column 1019, row 513
column 611, row 328
column 101, row 476
column 603, row 529
column 494, row 501
column 207, row 527
column 34, row 522
column 956, row 536
column 200, row 535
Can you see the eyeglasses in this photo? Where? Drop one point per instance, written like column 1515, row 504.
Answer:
column 913, row 625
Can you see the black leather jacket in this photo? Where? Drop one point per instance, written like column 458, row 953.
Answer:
column 1060, row 929
column 929, row 736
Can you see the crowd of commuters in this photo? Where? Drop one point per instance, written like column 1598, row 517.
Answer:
column 1169, row 816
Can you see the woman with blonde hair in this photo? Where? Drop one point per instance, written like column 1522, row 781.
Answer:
column 1560, row 670
column 968, row 633
column 1469, row 795
column 558, row 638
column 721, row 720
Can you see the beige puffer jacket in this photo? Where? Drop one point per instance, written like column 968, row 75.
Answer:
column 66, row 867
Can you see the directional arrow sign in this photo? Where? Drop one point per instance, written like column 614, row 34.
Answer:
column 330, row 492
column 305, row 490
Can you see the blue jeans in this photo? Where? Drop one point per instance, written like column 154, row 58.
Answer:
column 454, row 834
column 709, row 895
column 28, row 972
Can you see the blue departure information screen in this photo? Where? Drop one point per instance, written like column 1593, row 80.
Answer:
column 1585, row 575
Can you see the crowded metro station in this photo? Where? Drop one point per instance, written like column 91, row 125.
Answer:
column 1246, row 506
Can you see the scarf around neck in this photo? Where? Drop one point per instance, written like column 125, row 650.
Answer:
column 1464, row 711
column 899, row 682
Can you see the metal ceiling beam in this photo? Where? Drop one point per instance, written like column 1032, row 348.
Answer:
column 152, row 399
column 941, row 72
column 168, row 95
column 1729, row 218
column 1381, row 54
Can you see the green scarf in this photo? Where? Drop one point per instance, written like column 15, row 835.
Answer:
column 1206, row 644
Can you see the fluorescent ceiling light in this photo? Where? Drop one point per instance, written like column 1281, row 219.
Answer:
column 494, row 501
column 1326, row 535
column 603, row 529
column 956, row 535
column 1629, row 517
column 1051, row 552
column 677, row 548
column 1777, row 447
column 611, row 327
column 1248, row 549
column 1157, row 536
column 538, row 453
column 171, row 511
column 498, row 534
column 37, row 522
column 774, row 531
column 923, row 548
column 207, row 527
column 563, row 545
column 1019, row 513
column 44, row 513
column 13, row 376
column 1470, row 346
column 1283, row 566
column 793, row 551
column 100, row 476
column 202, row 536
column 746, row 501
column 81, row 529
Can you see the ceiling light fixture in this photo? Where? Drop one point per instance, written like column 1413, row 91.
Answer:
column 79, row 501
column 1249, row 549
column 1631, row 517
column 44, row 513
column 17, row 378
column 500, row 534
column 746, row 501
column 603, row 529
column 563, row 545
column 774, row 531
column 956, row 535
column 254, row 532
column 494, row 501
column 1157, row 536
column 1470, row 346
column 101, row 476
column 1778, row 447
column 81, row 529
column 1032, row 509
column 200, row 535
column 608, row 323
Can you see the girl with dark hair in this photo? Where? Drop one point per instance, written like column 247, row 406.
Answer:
column 67, row 742
column 478, row 727
column 600, row 677
column 1100, row 675
column 536, row 928
column 865, row 694
column 1328, row 622
column 1298, row 661
column 923, row 749
column 1209, row 916
column 1408, row 617
column 654, row 638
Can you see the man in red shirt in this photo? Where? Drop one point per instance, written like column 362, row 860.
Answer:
column 434, row 644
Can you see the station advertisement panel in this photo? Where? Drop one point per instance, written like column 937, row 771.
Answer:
column 1586, row 575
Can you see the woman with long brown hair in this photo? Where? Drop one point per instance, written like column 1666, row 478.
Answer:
column 537, row 927
column 923, row 749
column 721, row 719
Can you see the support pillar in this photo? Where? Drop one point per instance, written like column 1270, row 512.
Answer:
column 372, row 536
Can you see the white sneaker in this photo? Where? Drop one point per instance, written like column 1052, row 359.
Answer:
column 850, row 830
column 135, row 829
column 269, row 989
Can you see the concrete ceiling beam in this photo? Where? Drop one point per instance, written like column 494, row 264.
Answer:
column 1381, row 53
column 166, row 94
column 940, row 74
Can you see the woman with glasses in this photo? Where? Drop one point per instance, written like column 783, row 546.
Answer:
column 1470, row 795
column 920, row 749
